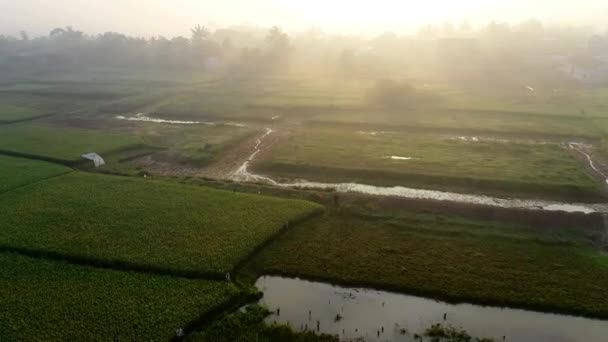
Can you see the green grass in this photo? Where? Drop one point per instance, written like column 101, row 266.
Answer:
column 18, row 172
column 53, row 301
column 10, row 113
column 439, row 163
column 466, row 121
column 146, row 223
column 62, row 144
column 192, row 144
column 187, row 146
column 249, row 326
column 447, row 259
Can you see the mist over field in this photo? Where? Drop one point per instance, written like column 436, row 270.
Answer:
column 304, row 171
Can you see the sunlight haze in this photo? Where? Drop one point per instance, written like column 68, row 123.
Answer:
column 172, row 18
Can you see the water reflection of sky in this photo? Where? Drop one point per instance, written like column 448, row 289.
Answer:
column 381, row 316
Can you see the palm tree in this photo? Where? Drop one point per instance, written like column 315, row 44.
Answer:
column 199, row 33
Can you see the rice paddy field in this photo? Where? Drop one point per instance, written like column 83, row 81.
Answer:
column 10, row 113
column 447, row 257
column 61, row 144
column 89, row 256
column 143, row 223
column 54, row 301
column 466, row 164
column 17, row 172
column 472, row 120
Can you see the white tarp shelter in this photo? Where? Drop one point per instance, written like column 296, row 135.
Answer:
column 95, row 158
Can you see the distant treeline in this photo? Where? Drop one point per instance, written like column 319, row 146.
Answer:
column 68, row 48
column 456, row 49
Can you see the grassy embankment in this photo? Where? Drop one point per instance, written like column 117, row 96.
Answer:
column 250, row 326
column 445, row 257
column 490, row 167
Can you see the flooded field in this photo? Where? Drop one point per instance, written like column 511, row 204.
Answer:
column 354, row 313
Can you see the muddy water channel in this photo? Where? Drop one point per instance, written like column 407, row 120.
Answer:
column 243, row 174
column 385, row 316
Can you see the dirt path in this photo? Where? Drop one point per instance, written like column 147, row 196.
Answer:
column 235, row 159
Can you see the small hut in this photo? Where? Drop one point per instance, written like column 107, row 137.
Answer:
column 95, row 158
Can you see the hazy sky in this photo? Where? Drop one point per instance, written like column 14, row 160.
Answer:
column 174, row 17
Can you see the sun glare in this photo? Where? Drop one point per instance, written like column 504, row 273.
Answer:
column 384, row 12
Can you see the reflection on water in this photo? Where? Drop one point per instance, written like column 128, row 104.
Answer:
column 383, row 316
column 398, row 158
column 399, row 191
column 144, row 118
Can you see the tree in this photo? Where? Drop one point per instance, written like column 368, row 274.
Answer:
column 278, row 47
column 277, row 39
column 67, row 34
column 199, row 33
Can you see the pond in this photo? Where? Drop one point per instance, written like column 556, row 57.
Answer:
column 383, row 316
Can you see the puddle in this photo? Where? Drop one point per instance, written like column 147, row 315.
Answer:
column 375, row 133
column 243, row 174
column 380, row 316
column 496, row 140
column 144, row 118
column 473, row 139
column 398, row 158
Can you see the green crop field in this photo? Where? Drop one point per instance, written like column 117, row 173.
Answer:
column 10, row 113
column 53, row 301
column 150, row 224
column 17, row 172
column 475, row 120
column 232, row 98
column 64, row 144
column 445, row 257
column 546, row 170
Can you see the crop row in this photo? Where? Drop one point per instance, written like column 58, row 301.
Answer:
column 143, row 223
column 54, row 301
